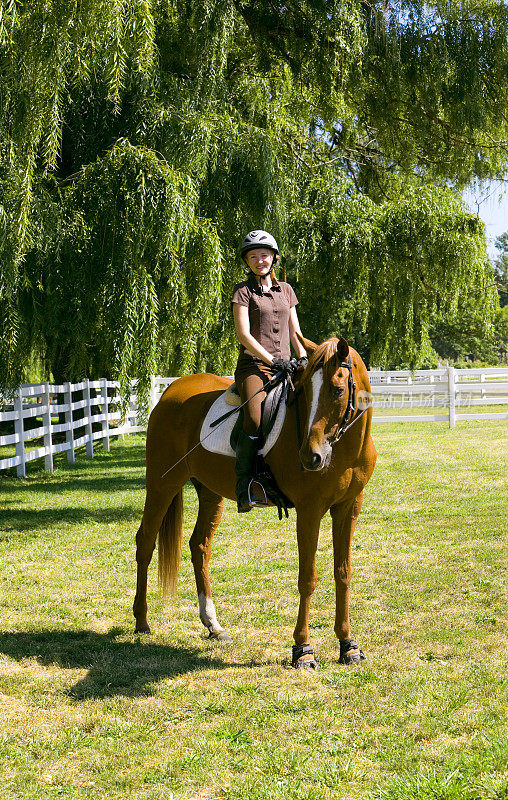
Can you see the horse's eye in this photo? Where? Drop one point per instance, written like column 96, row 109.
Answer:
column 338, row 391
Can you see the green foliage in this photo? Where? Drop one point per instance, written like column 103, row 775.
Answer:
column 140, row 139
column 391, row 268
column 471, row 333
column 501, row 269
column 465, row 336
column 501, row 327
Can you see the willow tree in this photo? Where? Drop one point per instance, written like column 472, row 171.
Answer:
column 141, row 138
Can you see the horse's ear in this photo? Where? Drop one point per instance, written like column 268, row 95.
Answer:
column 342, row 349
column 309, row 346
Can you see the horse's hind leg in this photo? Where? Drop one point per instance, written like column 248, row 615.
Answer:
column 209, row 517
column 157, row 505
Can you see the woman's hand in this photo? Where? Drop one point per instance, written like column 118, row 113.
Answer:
column 286, row 367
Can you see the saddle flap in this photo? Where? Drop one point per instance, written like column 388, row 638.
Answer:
column 216, row 438
column 269, row 412
column 271, row 405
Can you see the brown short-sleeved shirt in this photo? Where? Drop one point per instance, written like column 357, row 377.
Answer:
column 268, row 317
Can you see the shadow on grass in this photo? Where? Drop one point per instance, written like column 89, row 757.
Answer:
column 115, row 666
column 105, row 475
column 67, row 484
column 78, row 481
column 17, row 521
column 120, row 457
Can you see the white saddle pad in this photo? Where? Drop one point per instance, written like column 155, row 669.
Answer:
column 216, row 440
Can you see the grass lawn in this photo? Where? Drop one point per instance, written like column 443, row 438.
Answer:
column 89, row 710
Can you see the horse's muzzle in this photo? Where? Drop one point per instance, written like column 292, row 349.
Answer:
column 315, row 459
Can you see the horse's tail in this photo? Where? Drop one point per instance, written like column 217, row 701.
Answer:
column 170, row 546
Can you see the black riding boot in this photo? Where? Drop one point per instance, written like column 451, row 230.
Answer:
column 246, row 451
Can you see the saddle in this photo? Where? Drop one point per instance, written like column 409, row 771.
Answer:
column 222, row 424
column 270, row 407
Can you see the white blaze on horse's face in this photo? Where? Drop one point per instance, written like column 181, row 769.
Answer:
column 316, row 383
column 326, row 404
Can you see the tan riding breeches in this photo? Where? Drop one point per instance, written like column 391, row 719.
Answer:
column 252, row 411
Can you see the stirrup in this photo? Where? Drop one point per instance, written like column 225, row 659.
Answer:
column 251, row 499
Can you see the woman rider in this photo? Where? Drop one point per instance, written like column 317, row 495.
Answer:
column 266, row 323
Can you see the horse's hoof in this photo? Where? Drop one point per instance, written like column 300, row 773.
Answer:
column 350, row 653
column 220, row 636
column 309, row 663
column 299, row 660
column 142, row 629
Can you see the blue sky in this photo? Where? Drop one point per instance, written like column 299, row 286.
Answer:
column 490, row 202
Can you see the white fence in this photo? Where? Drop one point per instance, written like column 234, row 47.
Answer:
column 90, row 409
column 447, row 387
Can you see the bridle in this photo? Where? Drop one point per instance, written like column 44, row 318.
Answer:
column 351, row 402
column 348, row 419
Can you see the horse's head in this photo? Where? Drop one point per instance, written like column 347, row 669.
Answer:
column 327, row 388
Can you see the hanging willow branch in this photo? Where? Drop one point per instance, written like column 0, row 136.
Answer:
column 140, row 139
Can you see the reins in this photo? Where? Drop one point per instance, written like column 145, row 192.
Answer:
column 345, row 425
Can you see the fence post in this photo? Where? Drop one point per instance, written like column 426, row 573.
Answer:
column 121, row 422
column 69, row 433
column 451, row 396
column 105, row 414
column 389, row 397
column 88, row 421
column 482, row 380
column 20, row 431
column 48, row 433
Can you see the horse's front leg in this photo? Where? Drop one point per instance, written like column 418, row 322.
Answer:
column 307, row 532
column 344, row 517
column 209, row 517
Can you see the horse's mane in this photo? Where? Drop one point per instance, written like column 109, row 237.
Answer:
column 325, row 353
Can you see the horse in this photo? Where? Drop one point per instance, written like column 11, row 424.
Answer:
column 321, row 461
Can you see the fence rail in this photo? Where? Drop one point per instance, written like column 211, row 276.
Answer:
column 45, row 419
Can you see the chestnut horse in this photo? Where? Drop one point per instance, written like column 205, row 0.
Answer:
column 327, row 471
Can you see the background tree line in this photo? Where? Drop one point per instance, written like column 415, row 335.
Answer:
column 140, row 139
column 460, row 339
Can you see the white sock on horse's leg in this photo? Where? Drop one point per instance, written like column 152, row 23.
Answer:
column 207, row 614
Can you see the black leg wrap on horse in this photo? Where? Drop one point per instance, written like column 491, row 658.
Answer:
column 350, row 653
column 300, row 650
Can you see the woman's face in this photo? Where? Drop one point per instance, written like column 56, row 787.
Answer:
column 260, row 261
